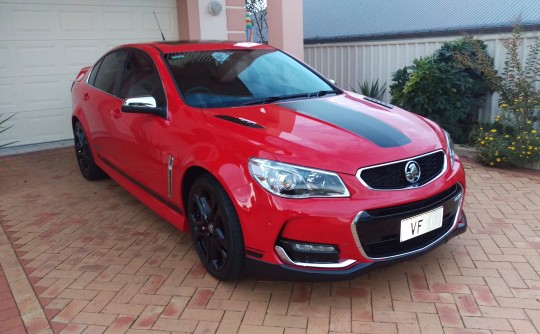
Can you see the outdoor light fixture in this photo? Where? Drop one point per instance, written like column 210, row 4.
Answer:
column 215, row 7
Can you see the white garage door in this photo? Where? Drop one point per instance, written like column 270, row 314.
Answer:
column 43, row 45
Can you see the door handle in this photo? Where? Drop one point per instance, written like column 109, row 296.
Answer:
column 86, row 97
column 115, row 113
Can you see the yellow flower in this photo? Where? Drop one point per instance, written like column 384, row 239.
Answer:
column 529, row 148
column 506, row 136
column 498, row 159
column 482, row 142
column 504, row 105
column 490, row 138
column 496, row 153
column 491, row 163
column 528, row 152
column 533, row 131
column 493, row 130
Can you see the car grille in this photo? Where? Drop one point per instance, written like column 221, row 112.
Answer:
column 378, row 231
column 392, row 175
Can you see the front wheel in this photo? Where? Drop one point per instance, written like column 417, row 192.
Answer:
column 215, row 229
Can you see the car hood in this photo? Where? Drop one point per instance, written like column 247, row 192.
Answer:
column 340, row 133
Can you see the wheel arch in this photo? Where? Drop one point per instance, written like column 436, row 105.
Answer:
column 189, row 177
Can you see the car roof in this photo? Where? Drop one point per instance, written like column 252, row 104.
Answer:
column 181, row 46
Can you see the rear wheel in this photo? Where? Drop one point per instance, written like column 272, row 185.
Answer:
column 88, row 167
column 215, row 229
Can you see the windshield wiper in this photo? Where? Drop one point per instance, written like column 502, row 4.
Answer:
column 324, row 92
column 271, row 99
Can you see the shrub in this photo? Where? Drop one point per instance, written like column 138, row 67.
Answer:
column 447, row 87
column 503, row 144
column 514, row 138
column 3, row 127
column 372, row 89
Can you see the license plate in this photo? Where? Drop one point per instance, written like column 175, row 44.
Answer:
column 421, row 224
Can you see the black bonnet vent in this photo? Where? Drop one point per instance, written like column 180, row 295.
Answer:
column 241, row 121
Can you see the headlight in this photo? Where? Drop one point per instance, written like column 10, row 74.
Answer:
column 450, row 145
column 294, row 181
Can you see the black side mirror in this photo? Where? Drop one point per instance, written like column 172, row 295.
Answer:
column 143, row 105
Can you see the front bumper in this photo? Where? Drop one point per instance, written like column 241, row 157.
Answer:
column 364, row 229
column 285, row 272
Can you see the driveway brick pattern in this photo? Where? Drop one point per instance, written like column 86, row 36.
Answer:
column 86, row 257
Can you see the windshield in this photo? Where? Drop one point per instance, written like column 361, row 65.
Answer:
column 226, row 78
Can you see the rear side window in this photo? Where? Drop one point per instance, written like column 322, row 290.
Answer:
column 108, row 71
column 95, row 69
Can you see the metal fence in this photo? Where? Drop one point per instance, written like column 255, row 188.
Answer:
column 351, row 63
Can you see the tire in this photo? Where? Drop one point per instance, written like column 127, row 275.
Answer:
column 215, row 229
column 83, row 152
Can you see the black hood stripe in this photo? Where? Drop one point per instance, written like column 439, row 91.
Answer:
column 368, row 127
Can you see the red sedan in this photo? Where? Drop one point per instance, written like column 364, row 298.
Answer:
column 273, row 169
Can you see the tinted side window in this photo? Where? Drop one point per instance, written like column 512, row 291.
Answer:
column 95, row 69
column 108, row 71
column 140, row 78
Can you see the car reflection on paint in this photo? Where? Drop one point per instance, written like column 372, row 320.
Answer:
column 273, row 169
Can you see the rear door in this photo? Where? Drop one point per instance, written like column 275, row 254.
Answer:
column 102, row 104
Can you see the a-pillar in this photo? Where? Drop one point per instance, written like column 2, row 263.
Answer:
column 286, row 26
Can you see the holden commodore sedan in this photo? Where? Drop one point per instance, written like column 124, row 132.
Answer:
column 273, row 169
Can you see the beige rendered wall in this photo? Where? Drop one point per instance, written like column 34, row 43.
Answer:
column 236, row 20
column 196, row 23
column 286, row 26
column 285, row 23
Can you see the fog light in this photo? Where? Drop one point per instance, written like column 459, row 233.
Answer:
column 312, row 248
column 310, row 253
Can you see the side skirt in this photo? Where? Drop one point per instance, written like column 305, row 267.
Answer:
column 164, row 208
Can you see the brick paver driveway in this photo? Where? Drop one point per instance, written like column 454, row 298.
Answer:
column 87, row 257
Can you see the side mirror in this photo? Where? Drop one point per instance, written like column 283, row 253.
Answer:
column 143, row 105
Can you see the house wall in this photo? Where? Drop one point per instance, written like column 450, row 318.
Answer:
column 351, row 63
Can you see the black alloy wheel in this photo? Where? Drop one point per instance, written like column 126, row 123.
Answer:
column 88, row 168
column 215, row 229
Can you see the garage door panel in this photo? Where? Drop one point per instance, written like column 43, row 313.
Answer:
column 101, row 3
column 31, row 58
column 43, row 93
column 50, row 125
column 84, row 22
column 80, row 55
column 33, row 19
column 39, row 126
column 78, row 20
column 5, row 61
column 36, row 58
column 8, row 97
column 44, row 44
column 167, row 21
